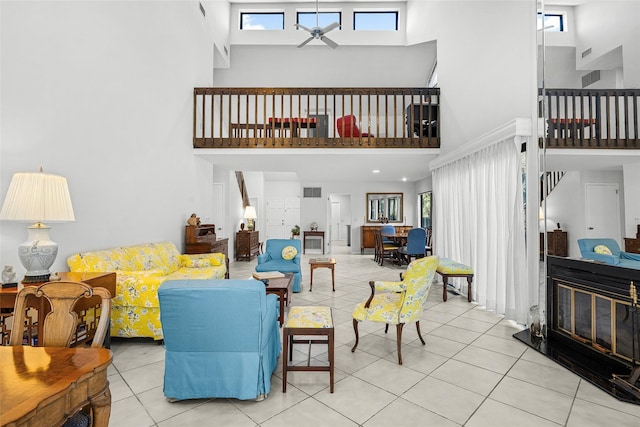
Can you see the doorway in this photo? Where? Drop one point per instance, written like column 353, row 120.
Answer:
column 340, row 223
column 602, row 208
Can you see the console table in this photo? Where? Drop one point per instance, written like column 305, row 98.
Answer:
column 306, row 234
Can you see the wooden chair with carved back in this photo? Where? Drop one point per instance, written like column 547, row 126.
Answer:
column 59, row 327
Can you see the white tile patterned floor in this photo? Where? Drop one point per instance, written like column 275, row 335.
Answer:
column 471, row 372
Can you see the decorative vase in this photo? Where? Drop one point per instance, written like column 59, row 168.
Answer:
column 535, row 325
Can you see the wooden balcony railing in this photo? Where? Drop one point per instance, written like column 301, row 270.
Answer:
column 310, row 118
column 592, row 118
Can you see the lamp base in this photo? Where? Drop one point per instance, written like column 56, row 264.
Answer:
column 32, row 280
column 37, row 254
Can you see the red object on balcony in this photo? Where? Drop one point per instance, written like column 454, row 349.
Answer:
column 348, row 128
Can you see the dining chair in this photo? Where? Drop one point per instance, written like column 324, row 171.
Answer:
column 59, row 328
column 416, row 244
column 384, row 250
column 398, row 303
column 388, row 229
column 60, row 324
column 428, row 248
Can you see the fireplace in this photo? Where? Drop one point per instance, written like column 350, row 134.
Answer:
column 593, row 324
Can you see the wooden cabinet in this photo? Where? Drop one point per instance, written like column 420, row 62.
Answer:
column 202, row 240
column 366, row 235
column 633, row 245
column 557, row 243
column 247, row 244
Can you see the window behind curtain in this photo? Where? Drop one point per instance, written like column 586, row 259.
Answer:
column 425, row 209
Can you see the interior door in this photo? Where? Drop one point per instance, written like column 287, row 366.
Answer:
column 282, row 216
column 602, row 211
column 336, row 230
column 275, row 219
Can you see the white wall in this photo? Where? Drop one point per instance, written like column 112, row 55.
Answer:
column 604, row 26
column 258, row 66
column 486, row 62
column 101, row 92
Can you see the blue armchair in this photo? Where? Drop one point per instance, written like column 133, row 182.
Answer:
column 221, row 337
column 617, row 257
column 271, row 260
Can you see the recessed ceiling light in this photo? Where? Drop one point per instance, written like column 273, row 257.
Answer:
column 404, row 179
column 376, row 171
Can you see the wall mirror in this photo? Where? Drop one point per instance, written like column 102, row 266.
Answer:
column 384, row 207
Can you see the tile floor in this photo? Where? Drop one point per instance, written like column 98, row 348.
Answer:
column 471, row 372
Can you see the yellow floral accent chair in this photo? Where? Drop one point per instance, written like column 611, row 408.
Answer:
column 398, row 303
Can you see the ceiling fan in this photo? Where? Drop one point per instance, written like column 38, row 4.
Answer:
column 319, row 33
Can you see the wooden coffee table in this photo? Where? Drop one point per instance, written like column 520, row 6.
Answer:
column 281, row 286
column 323, row 263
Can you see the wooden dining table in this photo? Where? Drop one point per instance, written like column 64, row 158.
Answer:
column 399, row 238
column 44, row 386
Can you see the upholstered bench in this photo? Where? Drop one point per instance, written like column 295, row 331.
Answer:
column 449, row 268
column 304, row 321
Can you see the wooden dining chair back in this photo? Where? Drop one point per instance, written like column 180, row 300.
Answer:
column 60, row 323
column 428, row 248
column 383, row 250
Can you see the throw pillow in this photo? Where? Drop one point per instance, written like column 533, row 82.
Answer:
column 602, row 249
column 289, row 253
column 197, row 263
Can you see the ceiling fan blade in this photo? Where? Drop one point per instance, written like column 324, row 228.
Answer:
column 298, row 26
column 330, row 27
column 306, row 41
column 328, row 41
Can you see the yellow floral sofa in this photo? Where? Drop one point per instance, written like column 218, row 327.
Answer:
column 140, row 270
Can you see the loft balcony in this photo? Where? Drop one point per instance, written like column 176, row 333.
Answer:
column 263, row 118
column 592, row 118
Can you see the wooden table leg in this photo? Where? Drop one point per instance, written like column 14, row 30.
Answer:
column 311, row 279
column 101, row 408
column 333, row 280
column 444, row 287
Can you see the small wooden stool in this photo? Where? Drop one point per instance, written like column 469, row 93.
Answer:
column 307, row 320
column 448, row 268
column 323, row 263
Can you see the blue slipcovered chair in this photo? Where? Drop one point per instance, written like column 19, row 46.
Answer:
column 608, row 251
column 416, row 244
column 272, row 259
column 221, row 337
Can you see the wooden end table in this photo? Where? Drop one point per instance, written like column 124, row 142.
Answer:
column 323, row 263
column 281, row 286
column 305, row 321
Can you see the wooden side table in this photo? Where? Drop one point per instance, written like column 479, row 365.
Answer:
column 323, row 263
column 307, row 321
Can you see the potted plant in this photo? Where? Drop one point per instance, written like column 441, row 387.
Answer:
column 295, row 231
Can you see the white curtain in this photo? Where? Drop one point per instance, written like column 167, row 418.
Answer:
column 479, row 221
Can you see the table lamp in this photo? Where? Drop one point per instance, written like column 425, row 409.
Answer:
column 250, row 216
column 37, row 197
